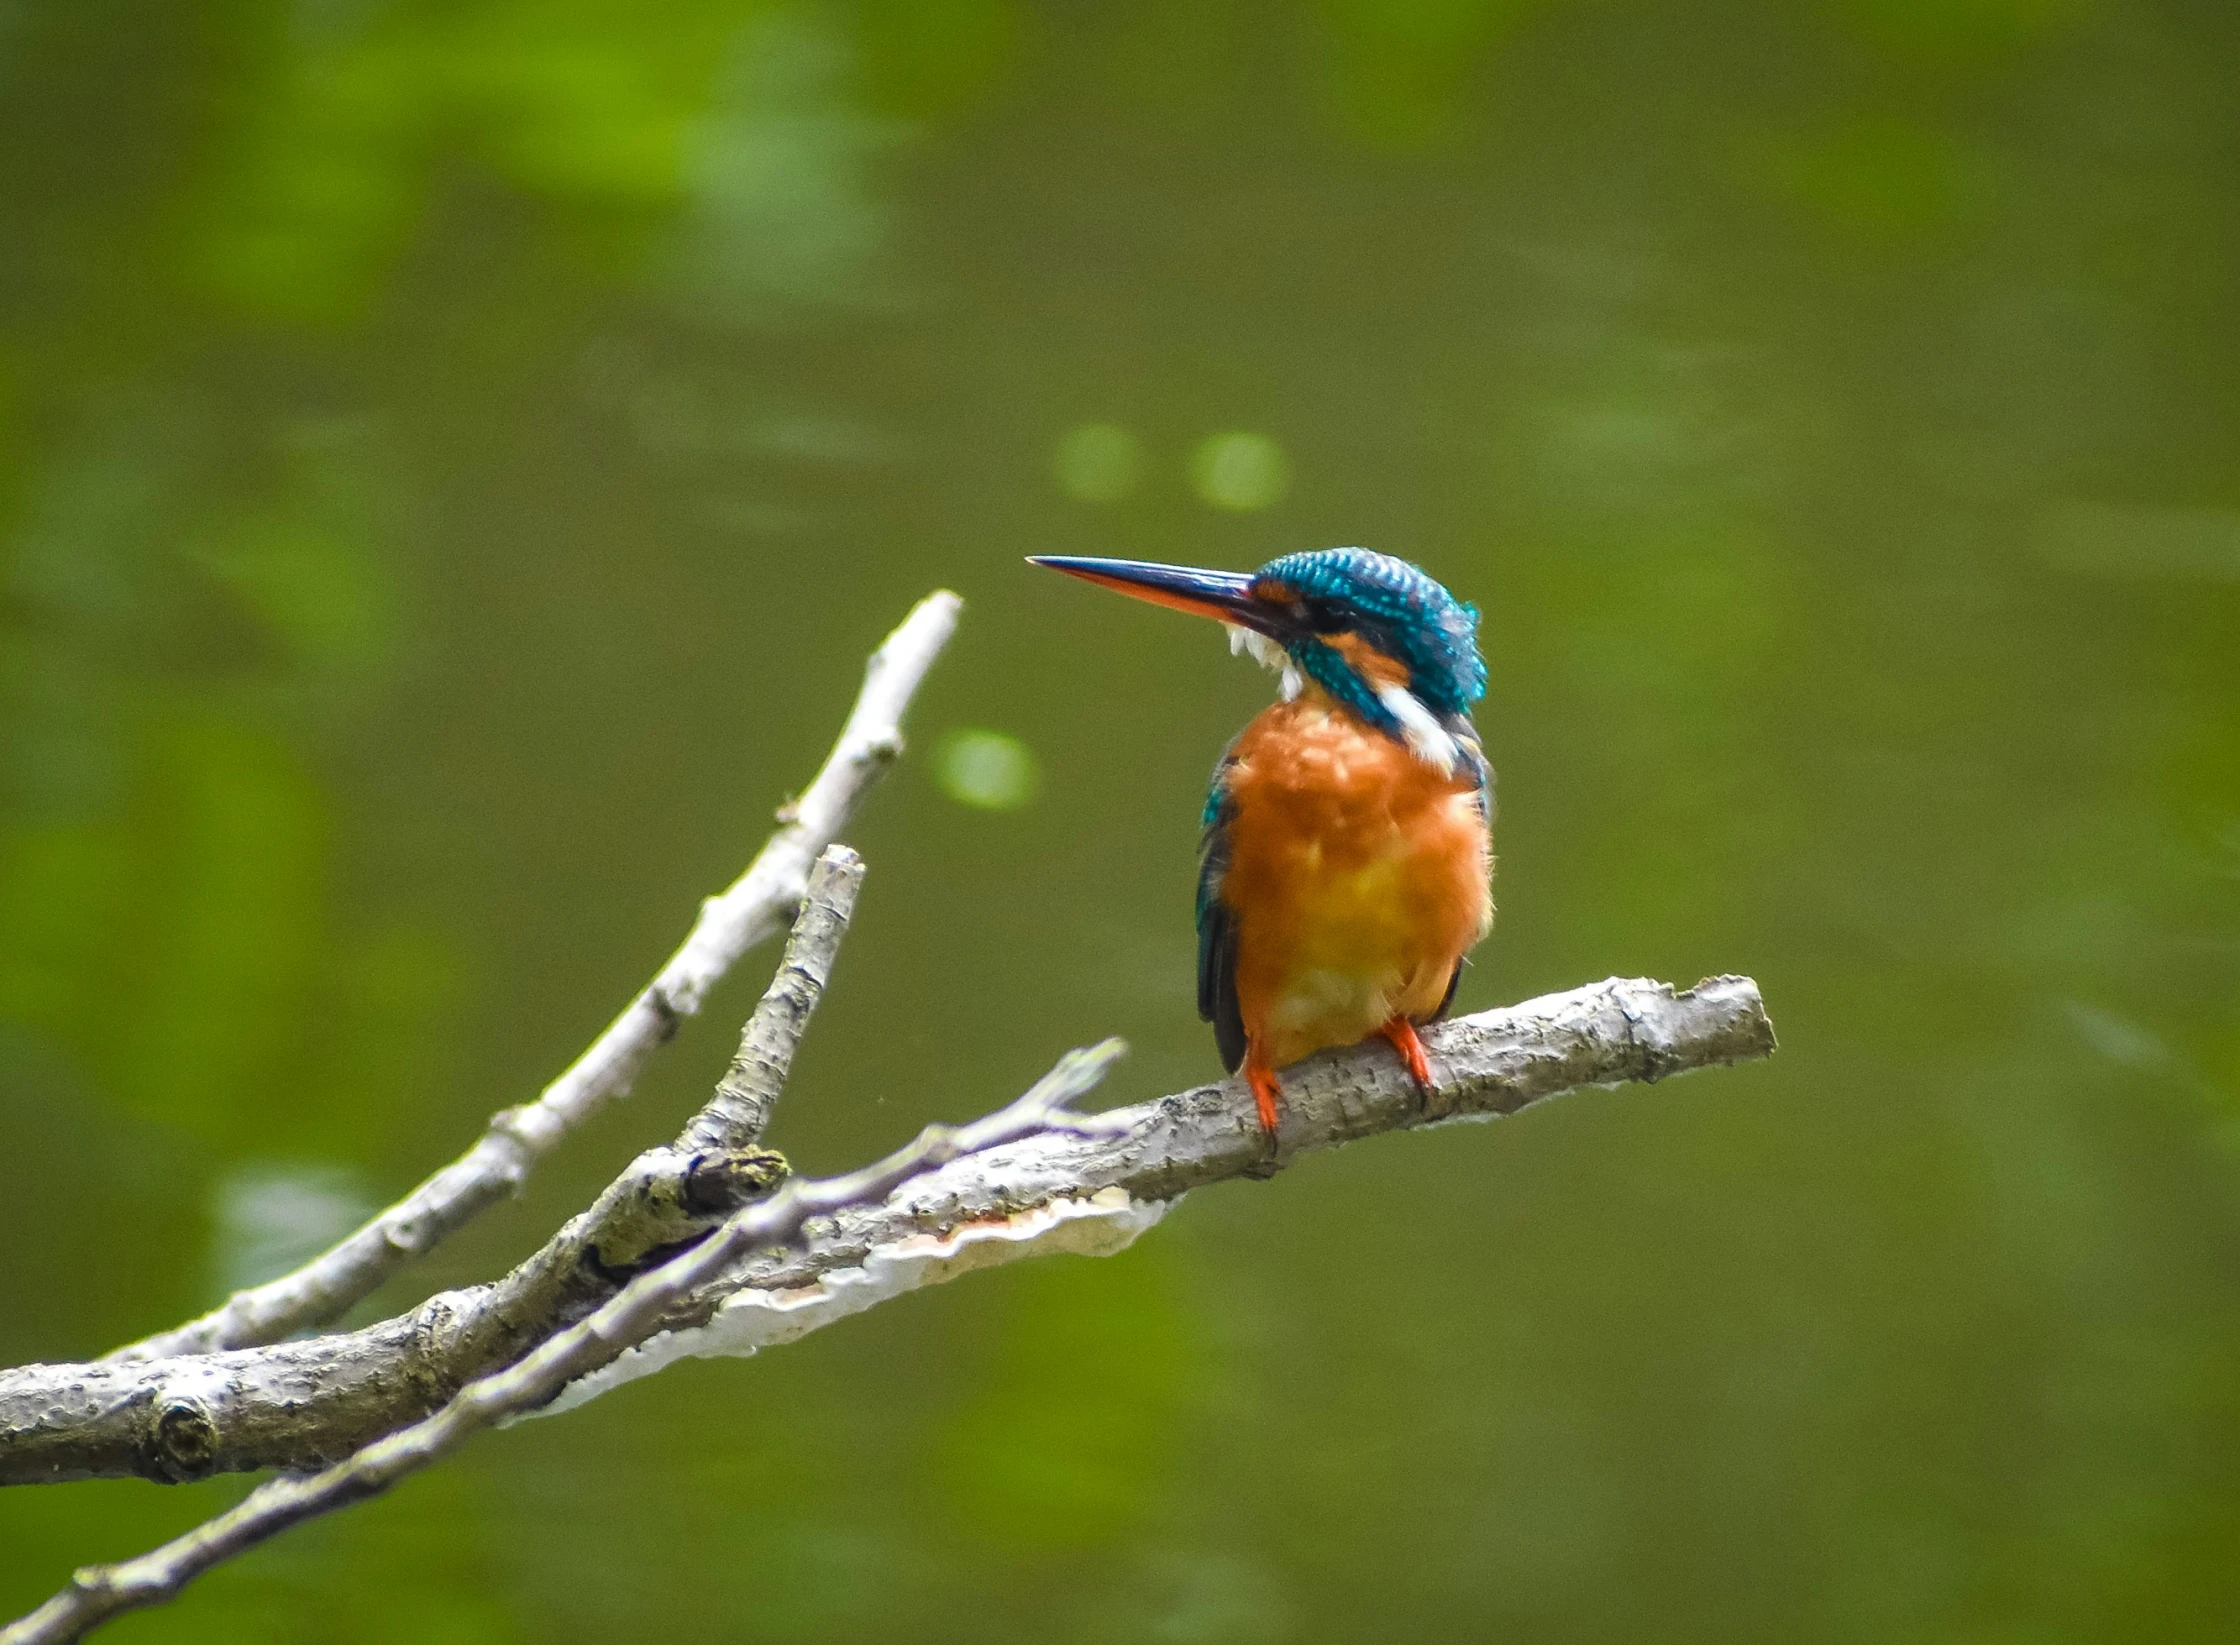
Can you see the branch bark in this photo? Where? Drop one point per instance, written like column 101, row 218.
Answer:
column 302, row 1405
column 754, row 908
column 97, row 1594
column 666, row 1198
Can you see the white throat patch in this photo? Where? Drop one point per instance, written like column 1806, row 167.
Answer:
column 1246, row 642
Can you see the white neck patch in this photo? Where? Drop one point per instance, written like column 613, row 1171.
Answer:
column 1246, row 642
column 1427, row 739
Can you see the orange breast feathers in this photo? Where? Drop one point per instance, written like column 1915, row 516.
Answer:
column 1358, row 877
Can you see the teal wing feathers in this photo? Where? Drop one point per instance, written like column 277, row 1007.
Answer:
column 1467, row 735
column 1217, row 926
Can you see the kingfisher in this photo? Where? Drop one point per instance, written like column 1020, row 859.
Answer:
column 1346, row 864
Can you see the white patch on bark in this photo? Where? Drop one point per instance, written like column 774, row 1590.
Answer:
column 1099, row 1225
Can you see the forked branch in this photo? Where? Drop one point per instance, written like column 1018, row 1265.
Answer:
column 301, row 1405
column 201, row 1411
column 704, row 1246
column 100, row 1592
column 755, row 907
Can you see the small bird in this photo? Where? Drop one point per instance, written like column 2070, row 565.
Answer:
column 1347, row 862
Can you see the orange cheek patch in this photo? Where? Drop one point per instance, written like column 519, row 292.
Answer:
column 1367, row 661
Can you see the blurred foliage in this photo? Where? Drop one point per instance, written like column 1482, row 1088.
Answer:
column 1076, row 1408
column 454, row 456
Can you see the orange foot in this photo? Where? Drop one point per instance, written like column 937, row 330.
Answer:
column 1267, row 1092
column 1402, row 1033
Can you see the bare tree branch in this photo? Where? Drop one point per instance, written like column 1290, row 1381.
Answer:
column 300, row 1405
column 666, row 1197
column 705, row 1246
column 755, row 906
column 98, row 1593
column 1093, row 1195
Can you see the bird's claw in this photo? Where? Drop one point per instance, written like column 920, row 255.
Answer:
column 1267, row 1096
column 1402, row 1035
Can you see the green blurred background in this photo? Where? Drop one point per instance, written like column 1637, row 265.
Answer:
column 454, row 459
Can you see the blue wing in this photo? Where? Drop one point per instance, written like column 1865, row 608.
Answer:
column 1467, row 735
column 1217, row 926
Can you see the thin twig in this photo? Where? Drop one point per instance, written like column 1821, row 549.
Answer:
column 100, row 1592
column 664, row 1198
column 299, row 1405
column 668, row 1195
column 739, row 1112
column 756, row 906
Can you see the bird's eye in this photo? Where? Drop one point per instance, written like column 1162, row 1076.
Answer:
column 1324, row 616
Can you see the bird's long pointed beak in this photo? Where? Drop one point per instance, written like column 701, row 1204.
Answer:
column 1225, row 596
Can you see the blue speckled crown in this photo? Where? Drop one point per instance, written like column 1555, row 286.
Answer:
column 1399, row 610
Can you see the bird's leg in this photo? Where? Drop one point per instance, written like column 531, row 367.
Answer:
column 1267, row 1091
column 1402, row 1033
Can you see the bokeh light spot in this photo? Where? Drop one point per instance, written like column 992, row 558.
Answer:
column 1098, row 462
column 1241, row 471
column 986, row 769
